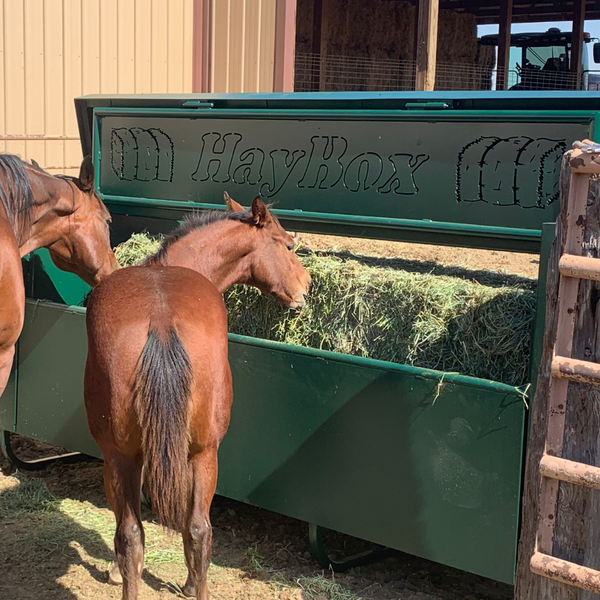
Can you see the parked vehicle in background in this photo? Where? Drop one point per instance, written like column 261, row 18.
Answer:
column 542, row 61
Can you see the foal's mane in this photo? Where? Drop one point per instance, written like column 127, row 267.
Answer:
column 192, row 223
column 15, row 192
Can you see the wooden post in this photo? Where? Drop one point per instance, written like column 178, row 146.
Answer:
column 201, row 46
column 285, row 45
column 316, row 43
column 427, row 33
column 506, row 8
column 577, row 42
column 577, row 528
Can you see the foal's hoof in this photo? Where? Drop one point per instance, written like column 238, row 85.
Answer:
column 189, row 589
column 114, row 575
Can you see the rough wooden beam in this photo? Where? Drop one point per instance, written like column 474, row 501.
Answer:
column 427, row 33
column 577, row 41
column 524, row 17
column 488, row 11
column 566, row 572
column 506, row 8
column 580, row 266
column 570, row 471
column 577, row 528
column 533, row 7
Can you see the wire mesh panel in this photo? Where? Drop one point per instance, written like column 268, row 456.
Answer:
column 315, row 72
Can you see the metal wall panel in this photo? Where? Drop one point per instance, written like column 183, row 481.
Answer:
column 14, row 69
column 52, row 51
column 73, row 80
column 243, row 45
column 35, row 121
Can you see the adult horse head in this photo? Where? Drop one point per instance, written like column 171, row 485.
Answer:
column 38, row 210
column 66, row 216
column 157, row 383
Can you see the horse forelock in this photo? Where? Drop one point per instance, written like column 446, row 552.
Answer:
column 16, row 194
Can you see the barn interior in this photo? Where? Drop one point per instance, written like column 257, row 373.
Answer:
column 357, row 45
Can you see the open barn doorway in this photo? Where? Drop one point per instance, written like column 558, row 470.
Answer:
column 369, row 45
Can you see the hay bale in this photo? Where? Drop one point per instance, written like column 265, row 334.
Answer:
column 457, row 38
column 369, row 45
column 436, row 322
column 304, row 26
column 431, row 321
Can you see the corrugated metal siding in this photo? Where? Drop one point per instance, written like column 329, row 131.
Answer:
column 243, row 45
column 54, row 50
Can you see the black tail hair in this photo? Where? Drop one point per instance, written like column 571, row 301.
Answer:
column 162, row 391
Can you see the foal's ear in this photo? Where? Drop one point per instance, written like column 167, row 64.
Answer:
column 86, row 174
column 260, row 213
column 35, row 163
column 232, row 205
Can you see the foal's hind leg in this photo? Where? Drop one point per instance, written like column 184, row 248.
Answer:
column 197, row 538
column 122, row 477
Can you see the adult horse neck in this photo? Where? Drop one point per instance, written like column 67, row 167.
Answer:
column 221, row 246
column 38, row 210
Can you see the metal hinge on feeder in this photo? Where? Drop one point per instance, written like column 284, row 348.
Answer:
column 585, row 161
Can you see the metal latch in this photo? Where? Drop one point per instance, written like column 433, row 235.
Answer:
column 198, row 104
column 426, row 105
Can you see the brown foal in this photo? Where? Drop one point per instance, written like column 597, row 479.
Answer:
column 38, row 210
column 157, row 384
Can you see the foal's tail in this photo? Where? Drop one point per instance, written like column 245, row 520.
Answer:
column 162, row 389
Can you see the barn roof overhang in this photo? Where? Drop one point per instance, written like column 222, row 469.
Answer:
column 488, row 11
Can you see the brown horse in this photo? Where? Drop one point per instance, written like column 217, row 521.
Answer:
column 157, row 382
column 38, row 210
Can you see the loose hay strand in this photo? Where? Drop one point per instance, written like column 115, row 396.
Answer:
column 432, row 321
column 320, row 586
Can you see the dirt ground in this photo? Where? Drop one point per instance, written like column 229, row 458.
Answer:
column 431, row 258
column 56, row 543
column 56, row 529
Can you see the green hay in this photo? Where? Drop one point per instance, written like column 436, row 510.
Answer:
column 321, row 587
column 430, row 321
column 136, row 248
column 254, row 560
column 30, row 495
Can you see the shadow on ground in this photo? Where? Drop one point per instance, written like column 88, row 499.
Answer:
column 57, row 546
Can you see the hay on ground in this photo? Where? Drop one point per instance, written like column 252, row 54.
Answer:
column 431, row 321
